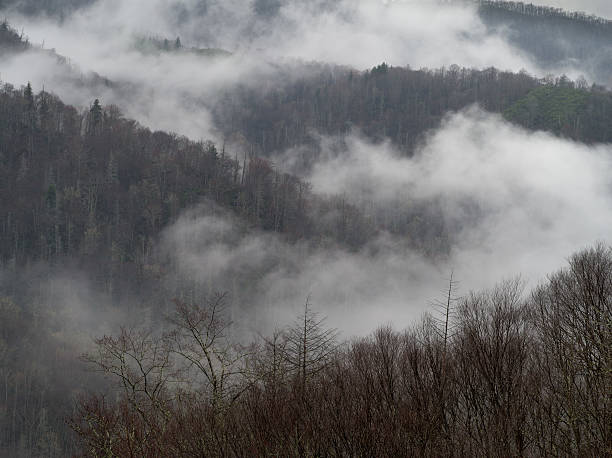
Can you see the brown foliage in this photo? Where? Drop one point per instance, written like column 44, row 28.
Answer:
column 517, row 377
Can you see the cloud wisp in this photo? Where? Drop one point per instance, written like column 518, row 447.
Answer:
column 517, row 203
column 514, row 202
column 602, row 8
column 174, row 91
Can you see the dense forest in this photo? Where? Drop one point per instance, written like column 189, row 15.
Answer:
column 104, row 183
column 110, row 347
column 403, row 104
column 93, row 191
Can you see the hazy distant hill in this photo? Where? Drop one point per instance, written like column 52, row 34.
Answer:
column 156, row 45
column 49, row 7
column 554, row 37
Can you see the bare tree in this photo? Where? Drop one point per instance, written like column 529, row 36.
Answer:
column 573, row 316
column 309, row 345
column 177, row 384
column 445, row 309
column 140, row 362
column 200, row 339
column 492, row 367
column 271, row 363
column 506, row 377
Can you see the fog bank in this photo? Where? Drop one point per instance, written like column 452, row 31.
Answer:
column 516, row 203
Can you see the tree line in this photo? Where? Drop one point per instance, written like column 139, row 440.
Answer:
column 401, row 104
column 553, row 37
column 504, row 374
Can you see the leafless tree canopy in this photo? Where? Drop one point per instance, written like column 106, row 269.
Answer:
column 520, row 375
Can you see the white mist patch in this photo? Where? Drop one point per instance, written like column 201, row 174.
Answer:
column 384, row 282
column 174, row 91
column 532, row 198
column 358, row 33
column 74, row 309
column 521, row 203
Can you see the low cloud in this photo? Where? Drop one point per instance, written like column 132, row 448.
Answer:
column 517, row 203
column 175, row 91
column 526, row 198
column 384, row 282
column 420, row 34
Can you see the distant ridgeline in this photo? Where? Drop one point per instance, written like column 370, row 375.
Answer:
column 384, row 102
column 529, row 9
column 402, row 104
column 554, row 37
column 50, row 7
column 156, row 45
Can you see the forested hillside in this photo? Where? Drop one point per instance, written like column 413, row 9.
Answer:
column 148, row 279
column 94, row 190
column 384, row 102
column 95, row 186
column 397, row 103
column 402, row 104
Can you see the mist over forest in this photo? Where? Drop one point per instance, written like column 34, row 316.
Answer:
column 305, row 228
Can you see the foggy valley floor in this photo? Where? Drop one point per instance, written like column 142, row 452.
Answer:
column 321, row 228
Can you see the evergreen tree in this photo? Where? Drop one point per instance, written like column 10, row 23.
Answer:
column 95, row 117
column 29, row 96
